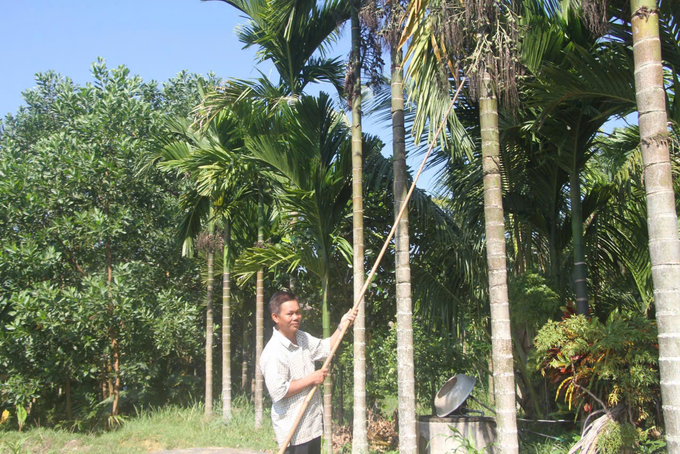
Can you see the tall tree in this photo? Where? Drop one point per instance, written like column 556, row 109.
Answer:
column 408, row 440
column 662, row 219
column 259, row 314
column 288, row 33
column 218, row 183
column 226, row 322
column 209, row 327
column 360, row 425
column 484, row 36
column 405, row 367
column 71, row 186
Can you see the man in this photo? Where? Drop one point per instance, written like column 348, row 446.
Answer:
column 287, row 364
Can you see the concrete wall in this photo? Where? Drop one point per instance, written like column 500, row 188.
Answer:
column 438, row 436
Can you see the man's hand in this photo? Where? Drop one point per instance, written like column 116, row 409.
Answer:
column 317, row 377
column 313, row 379
column 348, row 318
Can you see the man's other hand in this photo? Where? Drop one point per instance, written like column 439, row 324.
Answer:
column 349, row 317
column 318, row 376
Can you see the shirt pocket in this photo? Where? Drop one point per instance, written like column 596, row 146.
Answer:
column 278, row 412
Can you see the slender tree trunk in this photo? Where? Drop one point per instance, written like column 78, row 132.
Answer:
column 259, row 316
column 292, row 278
column 662, row 220
column 244, row 356
column 116, row 371
column 360, row 434
column 114, row 384
column 209, row 320
column 526, row 378
column 341, row 394
column 527, row 241
column 327, row 383
column 226, row 324
column 408, row 440
column 501, row 334
column 517, row 243
column 69, row 406
column 580, row 270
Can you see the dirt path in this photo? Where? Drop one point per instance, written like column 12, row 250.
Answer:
column 210, row 451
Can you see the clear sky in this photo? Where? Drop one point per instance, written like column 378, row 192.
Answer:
column 154, row 39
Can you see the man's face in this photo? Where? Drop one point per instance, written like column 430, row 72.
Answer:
column 289, row 317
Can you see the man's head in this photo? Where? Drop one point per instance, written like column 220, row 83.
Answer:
column 278, row 299
column 285, row 313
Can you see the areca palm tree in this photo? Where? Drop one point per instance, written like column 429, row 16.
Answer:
column 664, row 244
column 580, row 85
column 289, row 33
column 481, row 33
column 647, row 28
column 408, row 440
column 307, row 148
column 360, row 438
column 218, row 185
column 178, row 154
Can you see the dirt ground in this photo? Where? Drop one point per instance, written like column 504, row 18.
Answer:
column 210, row 451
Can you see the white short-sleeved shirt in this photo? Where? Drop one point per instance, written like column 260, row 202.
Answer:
column 282, row 362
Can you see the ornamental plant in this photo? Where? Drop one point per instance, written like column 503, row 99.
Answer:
column 594, row 363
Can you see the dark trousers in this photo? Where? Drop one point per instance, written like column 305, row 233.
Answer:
column 311, row 447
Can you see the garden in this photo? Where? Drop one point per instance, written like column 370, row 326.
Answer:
column 145, row 225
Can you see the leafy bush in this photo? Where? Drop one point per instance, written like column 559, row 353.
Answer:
column 616, row 436
column 616, row 361
column 94, row 296
column 437, row 356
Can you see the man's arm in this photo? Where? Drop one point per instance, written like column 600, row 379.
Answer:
column 317, row 377
column 313, row 379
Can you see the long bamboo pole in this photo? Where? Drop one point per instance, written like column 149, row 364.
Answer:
column 326, row 363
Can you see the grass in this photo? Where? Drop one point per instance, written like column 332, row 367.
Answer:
column 174, row 427
column 169, row 427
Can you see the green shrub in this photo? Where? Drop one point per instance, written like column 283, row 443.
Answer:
column 437, row 356
column 616, row 436
column 617, row 361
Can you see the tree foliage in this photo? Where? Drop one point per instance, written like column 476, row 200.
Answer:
column 90, row 266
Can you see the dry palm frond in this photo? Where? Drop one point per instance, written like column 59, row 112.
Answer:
column 588, row 442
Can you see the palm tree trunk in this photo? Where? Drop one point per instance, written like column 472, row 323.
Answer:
column 360, row 434
column 662, row 220
column 408, row 441
column 259, row 316
column 244, row 356
column 580, row 270
column 226, row 324
column 501, row 335
column 327, row 383
column 209, row 320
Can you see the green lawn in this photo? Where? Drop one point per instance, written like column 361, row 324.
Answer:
column 165, row 428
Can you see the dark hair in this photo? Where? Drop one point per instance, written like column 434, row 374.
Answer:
column 278, row 299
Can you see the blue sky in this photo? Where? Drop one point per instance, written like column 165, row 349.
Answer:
column 154, row 39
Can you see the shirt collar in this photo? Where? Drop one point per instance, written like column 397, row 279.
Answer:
column 284, row 340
